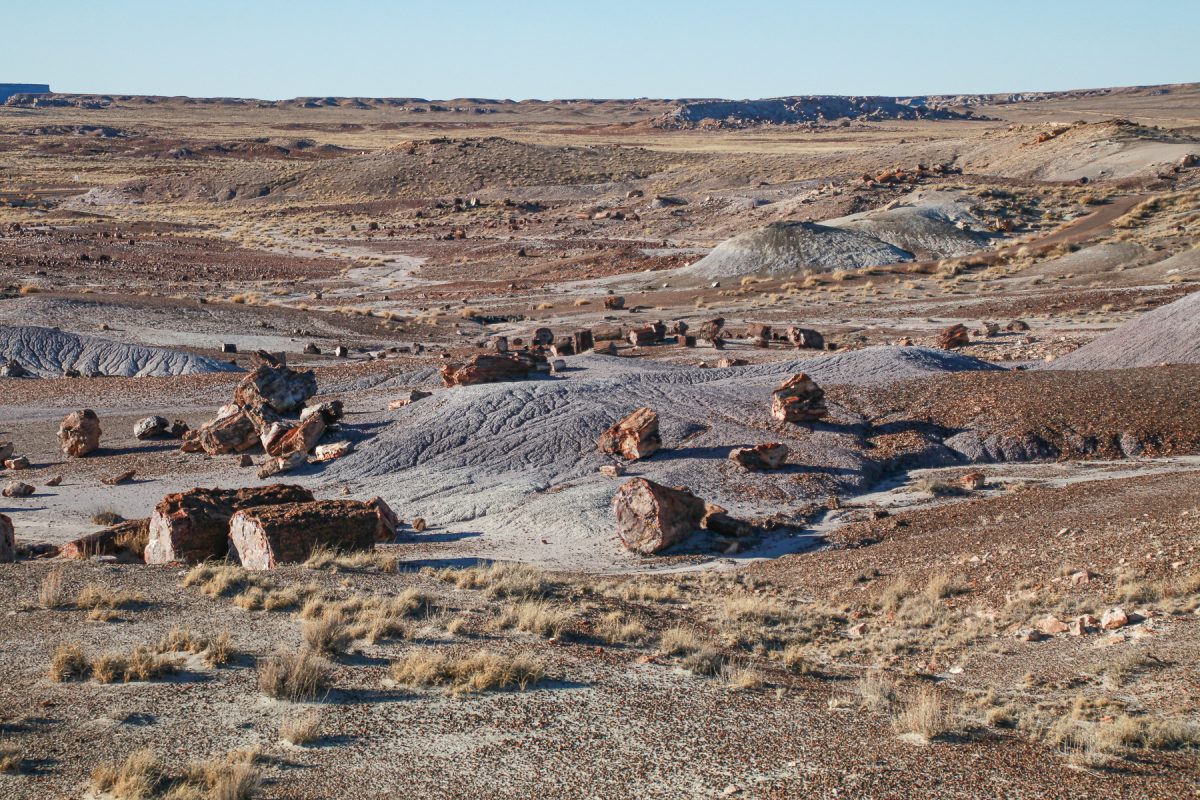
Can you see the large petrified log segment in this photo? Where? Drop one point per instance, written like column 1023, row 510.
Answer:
column 652, row 517
column 798, row 399
column 8, row 550
column 486, row 368
column 954, row 336
column 761, row 456
column 710, row 329
column 125, row 539
column 805, row 338
column 285, row 438
column 634, row 437
column 79, row 433
column 233, row 431
column 274, row 385
column 582, row 340
column 194, row 525
column 264, row 537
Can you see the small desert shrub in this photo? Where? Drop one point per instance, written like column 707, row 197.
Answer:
column 615, row 628
column 755, row 610
column 679, row 641
column 741, row 676
column 301, row 729
column 941, row 586
column 106, row 517
column 296, row 676
column 649, row 591
column 471, row 673
column 182, row 640
column 94, row 596
column 877, row 691
column 921, row 713
column 500, row 579
column 141, row 664
column 142, row 776
column 138, row 777
column 10, row 757
column 324, row 558
column 795, row 658
column 51, row 593
column 327, row 635
column 535, row 616
column 70, row 663
column 220, row 651
column 705, row 661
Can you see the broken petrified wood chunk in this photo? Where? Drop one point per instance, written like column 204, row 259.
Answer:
column 642, row 335
column 954, row 336
column 388, row 522
column 17, row 489
column 275, row 386
column 798, row 399
column 563, row 346
column 718, row 520
column 805, row 338
column 125, row 539
column 760, row 456
column 413, row 396
column 264, row 537
column 283, row 439
column 194, row 525
column 614, row 302
column 233, row 431
column 150, row 427
column 484, row 368
column 543, row 336
column 330, row 410
column 710, row 329
column 652, row 517
column 274, row 466
column 759, row 335
column 582, row 340
column 119, row 478
column 79, row 433
column 8, row 551
column 636, row 436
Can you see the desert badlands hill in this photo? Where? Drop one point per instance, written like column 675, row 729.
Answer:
column 799, row 447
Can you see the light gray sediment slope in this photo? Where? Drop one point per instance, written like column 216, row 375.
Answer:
column 46, row 353
column 1169, row 334
column 517, row 462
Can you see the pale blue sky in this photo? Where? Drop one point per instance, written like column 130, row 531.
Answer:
column 599, row 48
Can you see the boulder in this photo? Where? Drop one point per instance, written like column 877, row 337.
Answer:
column 1114, row 618
column 79, row 433
column 1017, row 326
column 805, row 338
column 486, row 368
column 760, row 456
column 17, row 489
column 155, row 427
column 798, row 399
column 612, row 470
column 718, row 520
column 954, row 336
column 634, row 437
column 652, row 517
column 1051, row 625
column 614, row 302
column 266, row 536
column 282, row 439
column 194, row 525
column 8, row 548
column 125, row 539
column 275, row 386
column 233, row 431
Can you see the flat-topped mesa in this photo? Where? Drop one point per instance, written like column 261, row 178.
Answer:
column 193, row 526
column 490, row 368
column 798, row 399
column 274, row 385
column 264, row 537
column 634, row 437
column 652, row 517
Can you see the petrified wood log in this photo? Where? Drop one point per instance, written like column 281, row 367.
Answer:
column 79, row 433
column 233, row 431
column 954, row 336
column 8, row 550
column 485, row 368
column 805, row 338
column 759, row 334
column 127, row 539
column 643, row 335
column 634, row 437
column 798, row 399
column 276, row 386
column 283, row 439
column 710, row 329
column 614, row 302
column 583, row 340
column 264, row 537
column 194, row 525
column 652, row 517
column 760, row 456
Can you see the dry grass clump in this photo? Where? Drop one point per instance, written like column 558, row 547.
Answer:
column 704, row 661
column 921, row 713
column 325, row 558
column 615, row 628
column 142, row 775
column 755, row 610
column 500, row 579
column 301, row 729
column 467, row 674
column 217, row 650
column 10, row 758
column 741, row 677
column 535, row 616
column 97, row 598
column 246, row 589
column 51, row 593
column 679, row 641
column 647, row 591
column 327, row 635
column 106, row 517
column 141, row 664
column 69, row 663
column 877, row 691
column 296, row 676
column 372, row 617
column 220, row 650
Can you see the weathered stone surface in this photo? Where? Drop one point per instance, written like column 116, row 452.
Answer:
column 614, row 302
column 954, row 336
column 275, row 386
column 642, row 335
column 413, row 396
column 125, row 539
column 17, row 489
column 194, row 525
column 263, row 537
column 798, row 399
column 1114, row 618
column 485, row 368
column 1083, row 625
column 652, row 517
column 710, row 329
column 759, row 334
column 8, row 549
column 805, row 338
column 79, row 433
column 285, row 438
column 121, row 477
column 233, row 431
column 761, row 456
column 636, row 436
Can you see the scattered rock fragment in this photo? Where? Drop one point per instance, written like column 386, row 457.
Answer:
column 798, row 399
column 761, row 456
column 973, row 481
column 1051, row 625
column 614, row 302
column 79, row 433
column 634, row 437
column 55, row 481
column 119, row 478
column 612, row 470
column 805, row 338
column 18, row 463
column 155, row 427
column 413, row 396
column 1114, row 618
column 1083, row 625
column 328, row 452
column 276, row 465
column 953, row 337
column 652, row 517
column 418, row 524
column 17, row 489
